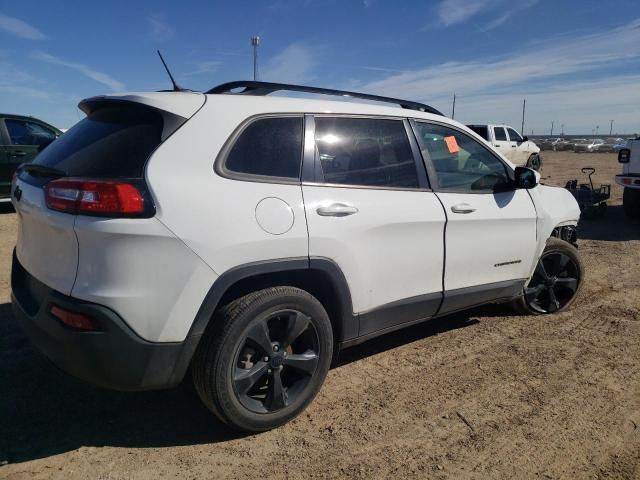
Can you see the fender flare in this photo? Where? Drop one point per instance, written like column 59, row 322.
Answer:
column 348, row 324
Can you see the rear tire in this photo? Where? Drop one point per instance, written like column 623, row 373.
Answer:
column 631, row 203
column 556, row 282
column 535, row 162
column 264, row 358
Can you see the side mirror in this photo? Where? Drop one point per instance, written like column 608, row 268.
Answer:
column 525, row 178
column 525, row 139
column 624, row 155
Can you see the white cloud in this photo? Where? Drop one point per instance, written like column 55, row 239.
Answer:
column 159, row 29
column 293, row 65
column 508, row 13
column 85, row 70
column 451, row 12
column 19, row 28
column 206, row 67
column 545, row 71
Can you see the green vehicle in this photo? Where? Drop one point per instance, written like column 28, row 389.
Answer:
column 21, row 139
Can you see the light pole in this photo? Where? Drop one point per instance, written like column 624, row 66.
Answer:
column 524, row 104
column 611, row 128
column 551, row 134
column 562, row 130
column 255, row 43
column 597, row 127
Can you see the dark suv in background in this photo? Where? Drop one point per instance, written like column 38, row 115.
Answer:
column 21, row 138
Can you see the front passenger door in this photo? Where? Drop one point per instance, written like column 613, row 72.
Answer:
column 490, row 236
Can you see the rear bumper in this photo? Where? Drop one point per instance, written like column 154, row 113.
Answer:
column 114, row 357
column 628, row 181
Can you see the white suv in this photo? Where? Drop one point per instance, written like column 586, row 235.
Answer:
column 249, row 237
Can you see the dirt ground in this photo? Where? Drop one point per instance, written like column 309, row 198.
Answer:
column 483, row 394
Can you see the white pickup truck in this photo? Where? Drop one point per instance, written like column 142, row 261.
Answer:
column 505, row 139
column 630, row 177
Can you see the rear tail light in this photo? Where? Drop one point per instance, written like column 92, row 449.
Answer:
column 94, row 197
column 76, row 320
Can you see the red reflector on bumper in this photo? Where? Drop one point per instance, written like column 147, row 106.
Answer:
column 75, row 320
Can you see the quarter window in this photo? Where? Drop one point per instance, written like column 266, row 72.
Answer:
column 365, row 151
column 460, row 162
column 500, row 133
column 268, row 147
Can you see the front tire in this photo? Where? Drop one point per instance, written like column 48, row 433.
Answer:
column 264, row 358
column 556, row 282
column 631, row 202
column 535, row 162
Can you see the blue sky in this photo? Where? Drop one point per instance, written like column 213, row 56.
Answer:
column 577, row 62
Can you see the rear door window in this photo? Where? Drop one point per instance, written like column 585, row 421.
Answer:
column 500, row 133
column 365, row 151
column 481, row 130
column 112, row 142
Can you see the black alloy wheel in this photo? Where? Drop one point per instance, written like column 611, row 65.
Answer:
column 264, row 358
column 554, row 283
column 275, row 361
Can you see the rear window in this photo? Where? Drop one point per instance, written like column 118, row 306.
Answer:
column 112, row 142
column 481, row 130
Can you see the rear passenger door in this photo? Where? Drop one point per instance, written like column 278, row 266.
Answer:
column 501, row 141
column 369, row 208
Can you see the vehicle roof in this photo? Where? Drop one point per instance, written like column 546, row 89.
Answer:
column 187, row 103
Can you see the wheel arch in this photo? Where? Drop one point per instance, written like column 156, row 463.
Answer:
column 319, row 276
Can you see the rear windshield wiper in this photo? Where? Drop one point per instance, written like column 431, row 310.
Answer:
column 38, row 170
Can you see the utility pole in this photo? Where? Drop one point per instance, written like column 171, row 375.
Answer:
column 551, row 134
column 524, row 104
column 255, row 43
column 453, row 110
column 611, row 128
column 562, row 130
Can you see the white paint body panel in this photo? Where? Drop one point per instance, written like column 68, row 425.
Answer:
column 501, row 229
column 391, row 249
column 555, row 207
column 142, row 271
column 46, row 245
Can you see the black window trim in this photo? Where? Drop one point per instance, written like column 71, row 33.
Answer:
column 426, row 157
column 312, row 173
column 219, row 164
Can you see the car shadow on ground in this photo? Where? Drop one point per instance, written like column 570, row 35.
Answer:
column 613, row 226
column 44, row 412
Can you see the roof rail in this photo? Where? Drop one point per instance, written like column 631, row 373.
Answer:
column 265, row 88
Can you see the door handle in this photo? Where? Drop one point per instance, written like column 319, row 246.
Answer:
column 17, row 154
column 513, row 146
column 462, row 208
column 497, row 144
column 336, row 210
